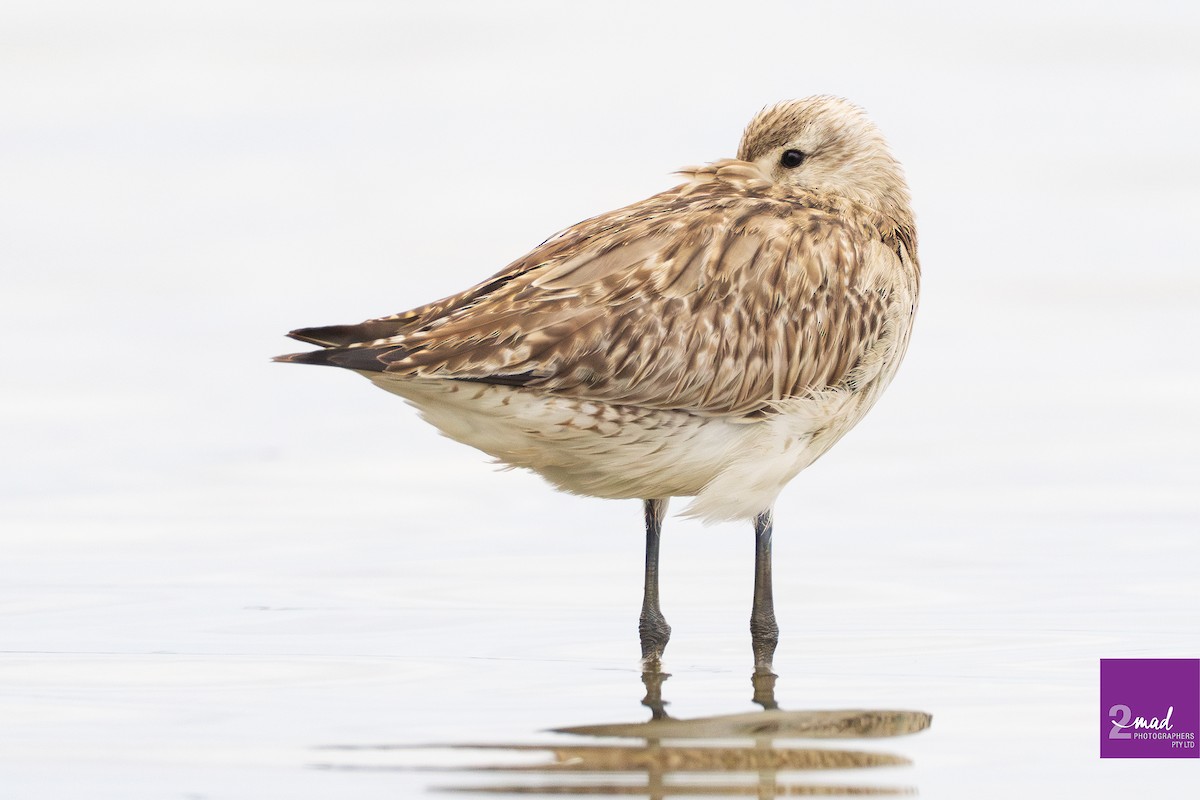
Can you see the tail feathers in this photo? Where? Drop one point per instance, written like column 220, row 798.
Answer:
column 377, row 359
column 343, row 335
column 366, row 359
column 315, row 357
column 349, row 346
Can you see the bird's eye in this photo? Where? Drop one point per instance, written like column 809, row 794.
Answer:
column 792, row 158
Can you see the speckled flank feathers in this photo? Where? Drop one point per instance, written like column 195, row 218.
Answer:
column 709, row 341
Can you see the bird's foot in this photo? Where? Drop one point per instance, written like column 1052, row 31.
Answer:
column 654, row 633
column 764, row 638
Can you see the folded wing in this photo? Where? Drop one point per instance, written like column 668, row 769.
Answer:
column 717, row 297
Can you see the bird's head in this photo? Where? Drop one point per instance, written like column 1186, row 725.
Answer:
column 826, row 144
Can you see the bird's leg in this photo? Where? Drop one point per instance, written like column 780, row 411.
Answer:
column 764, row 633
column 652, row 627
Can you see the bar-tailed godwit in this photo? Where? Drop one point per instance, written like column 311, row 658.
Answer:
column 709, row 342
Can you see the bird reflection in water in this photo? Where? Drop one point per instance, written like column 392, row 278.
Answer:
column 703, row 757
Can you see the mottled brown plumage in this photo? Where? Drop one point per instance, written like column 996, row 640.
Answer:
column 710, row 341
column 718, row 297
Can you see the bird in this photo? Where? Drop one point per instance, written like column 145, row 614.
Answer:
column 708, row 342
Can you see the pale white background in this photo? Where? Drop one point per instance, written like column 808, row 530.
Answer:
column 213, row 565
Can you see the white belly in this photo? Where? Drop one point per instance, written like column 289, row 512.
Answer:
column 734, row 467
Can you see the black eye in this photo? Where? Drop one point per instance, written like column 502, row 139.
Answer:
column 792, row 158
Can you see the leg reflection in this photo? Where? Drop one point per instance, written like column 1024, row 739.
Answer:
column 652, row 679
column 763, row 681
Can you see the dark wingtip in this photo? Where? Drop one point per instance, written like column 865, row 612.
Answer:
column 335, row 338
column 319, row 336
column 365, row 359
column 345, row 335
column 313, row 357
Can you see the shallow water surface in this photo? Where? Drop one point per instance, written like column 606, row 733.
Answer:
column 738, row 754
column 328, row 658
column 222, row 578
